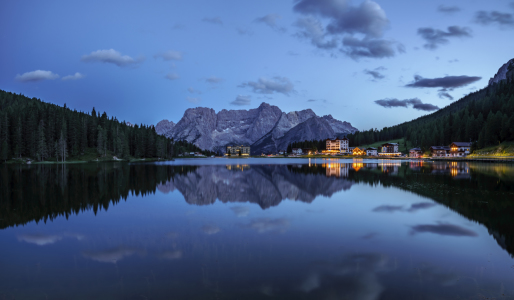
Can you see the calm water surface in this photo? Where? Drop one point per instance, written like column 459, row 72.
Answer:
column 257, row 229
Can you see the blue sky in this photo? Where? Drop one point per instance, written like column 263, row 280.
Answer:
column 147, row 61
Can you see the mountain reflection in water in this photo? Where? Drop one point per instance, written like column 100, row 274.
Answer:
column 297, row 229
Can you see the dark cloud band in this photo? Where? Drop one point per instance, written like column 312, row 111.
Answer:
column 448, row 82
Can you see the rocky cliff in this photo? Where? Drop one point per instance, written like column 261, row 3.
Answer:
column 264, row 185
column 502, row 72
column 266, row 126
column 164, row 127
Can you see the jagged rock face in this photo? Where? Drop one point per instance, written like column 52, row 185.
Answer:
column 264, row 185
column 265, row 124
column 315, row 128
column 164, row 127
column 502, row 73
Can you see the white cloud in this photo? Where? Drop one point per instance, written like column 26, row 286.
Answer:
column 172, row 76
column 241, row 100
column 73, row 77
column 169, row 55
column 37, row 75
column 39, row 239
column 193, row 100
column 111, row 56
column 269, row 86
column 214, row 79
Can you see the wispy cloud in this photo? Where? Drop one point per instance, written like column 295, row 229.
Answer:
column 169, row 55
column 269, row 86
column 213, row 80
column 443, row 229
column 38, row 75
column 448, row 9
column 435, row 37
column 415, row 103
column 241, row 100
column 271, row 21
column 193, row 99
column 448, row 82
column 172, row 76
column 111, row 56
column 213, row 20
column 75, row 76
column 494, row 17
column 376, row 73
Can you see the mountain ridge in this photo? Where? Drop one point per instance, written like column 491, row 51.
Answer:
column 267, row 128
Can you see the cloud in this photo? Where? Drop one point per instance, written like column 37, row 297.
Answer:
column 511, row 5
column 453, row 61
column 376, row 73
column 169, row 55
column 311, row 100
column 421, row 205
column 292, row 53
column 210, row 229
column 75, row 76
column 443, row 229
column 494, row 17
column 214, row 20
column 39, row 239
column 213, row 80
column 193, row 91
column 312, row 30
column 368, row 18
column 435, row 37
column 193, row 100
column 244, row 31
column 172, row 76
column 110, row 255
column 38, row 75
column 268, row 225
column 269, row 86
column 370, row 48
column 445, row 95
column 415, row 102
column 449, row 82
column 448, row 9
column 111, row 56
column 241, row 100
column 240, row 211
column 271, row 21
column 387, row 208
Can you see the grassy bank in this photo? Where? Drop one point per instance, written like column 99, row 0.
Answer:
column 505, row 149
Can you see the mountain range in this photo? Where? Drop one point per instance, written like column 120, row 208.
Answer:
column 266, row 128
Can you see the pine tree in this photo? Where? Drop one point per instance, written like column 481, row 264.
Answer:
column 41, row 144
column 100, row 140
column 4, row 153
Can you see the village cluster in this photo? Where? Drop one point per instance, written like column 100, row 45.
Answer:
column 342, row 147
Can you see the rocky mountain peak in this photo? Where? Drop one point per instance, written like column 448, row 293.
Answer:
column 502, row 72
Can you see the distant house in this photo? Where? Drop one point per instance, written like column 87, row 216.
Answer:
column 415, row 152
column 439, row 151
column 337, row 146
column 390, row 149
column 307, row 151
column 238, row 150
column 298, row 151
column 371, row 151
column 460, row 149
column 359, row 151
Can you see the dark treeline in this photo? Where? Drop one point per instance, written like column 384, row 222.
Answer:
column 31, row 128
column 314, row 145
column 45, row 191
column 484, row 117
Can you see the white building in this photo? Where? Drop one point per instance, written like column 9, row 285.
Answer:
column 372, row 151
column 337, row 146
column 297, row 151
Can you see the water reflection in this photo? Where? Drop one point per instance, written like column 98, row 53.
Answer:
column 325, row 229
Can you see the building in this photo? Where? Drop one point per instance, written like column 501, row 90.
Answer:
column 307, row 151
column 238, row 150
column 297, row 151
column 460, row 149
column 359, row 151
column 337, row 146
column 390, row 149
column 371, row 151
column 415, row 152
column 439, row 151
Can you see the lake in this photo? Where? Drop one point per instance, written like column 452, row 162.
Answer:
column 257, row 229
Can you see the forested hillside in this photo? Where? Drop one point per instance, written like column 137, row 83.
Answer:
column 31, row 128
column 484, row 117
